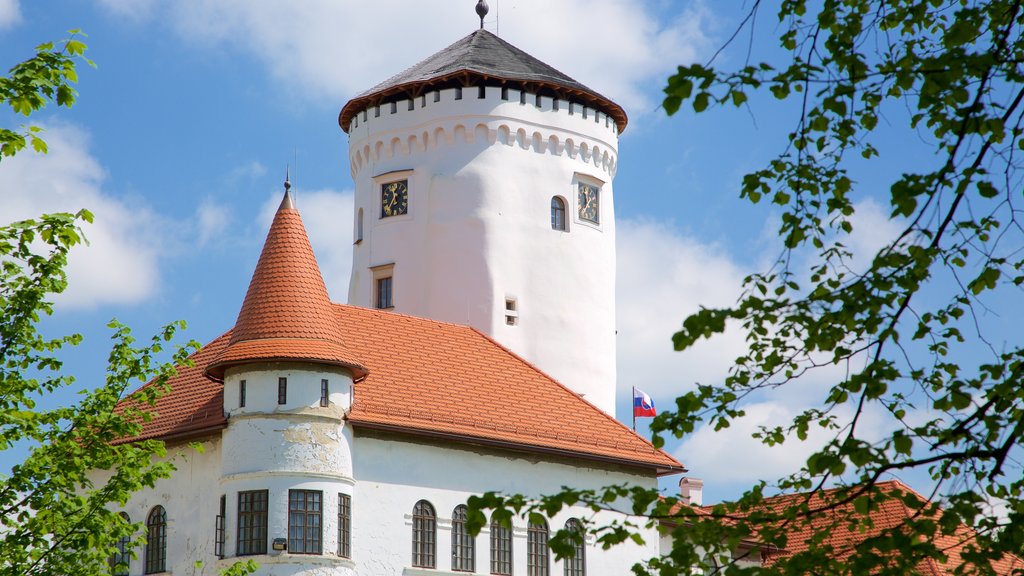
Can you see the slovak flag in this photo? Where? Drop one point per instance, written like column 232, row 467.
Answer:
column 643, row 406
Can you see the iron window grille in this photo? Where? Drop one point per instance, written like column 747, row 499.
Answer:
column 576, row 565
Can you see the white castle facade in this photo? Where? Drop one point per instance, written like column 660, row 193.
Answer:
column 477, row 353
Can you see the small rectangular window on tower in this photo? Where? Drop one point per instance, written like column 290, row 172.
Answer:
column 324, row 393
column 282, row 390
column 481, row 92
column 241, row 394
column 383, row 300
column 511, row 312
column 458, row 92
column 504, row 92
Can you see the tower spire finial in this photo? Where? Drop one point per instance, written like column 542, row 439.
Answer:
column 287, row 203
column 481, row 11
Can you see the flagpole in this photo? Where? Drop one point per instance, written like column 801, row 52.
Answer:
column 632, row 407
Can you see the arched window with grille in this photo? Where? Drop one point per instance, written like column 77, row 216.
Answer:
column 463, row 545
column 119, row 560
column 501, row 548
column 424, row 535
column 538, row 561
column 156, row 541
column 557, row 213
column 577, row 564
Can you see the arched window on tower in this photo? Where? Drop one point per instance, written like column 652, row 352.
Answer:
column 577, row 564
column 424, row 535
column 557, row 213
column 463, row 546
column 537, row 557
column 156, row 541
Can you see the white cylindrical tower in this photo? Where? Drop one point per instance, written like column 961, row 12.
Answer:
column 286, row 454
column 484, row 196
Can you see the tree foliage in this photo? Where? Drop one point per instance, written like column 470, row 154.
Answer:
column 58, row 506
column 906, row 338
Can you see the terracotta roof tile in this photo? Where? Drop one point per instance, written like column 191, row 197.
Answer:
column 286, row 314
column 432, row 378
column 890, row 516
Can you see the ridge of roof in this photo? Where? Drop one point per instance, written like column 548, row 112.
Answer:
column 286, row 313
column 482, row 55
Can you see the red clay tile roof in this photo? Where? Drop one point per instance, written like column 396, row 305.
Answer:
column 195, row 403
column 436, row 379
column 892, row 513
column 286, row 314
column 441, row 379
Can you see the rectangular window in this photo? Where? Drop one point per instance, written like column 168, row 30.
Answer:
column 511, row 312
column 304, row 527
column 241, row 394
column 324, row 393
column 252, row 522
column 481, row 92
column 218, row 534
column 384, row 300
column 504, row 92
column 458, row 92
column 282, row 390
column 344, row 525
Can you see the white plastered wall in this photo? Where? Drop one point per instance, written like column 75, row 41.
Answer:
column 482, row 172
column 394, row 475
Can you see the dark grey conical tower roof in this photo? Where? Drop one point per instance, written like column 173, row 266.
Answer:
column 480, row 59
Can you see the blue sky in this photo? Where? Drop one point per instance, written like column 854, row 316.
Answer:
column 181, row 135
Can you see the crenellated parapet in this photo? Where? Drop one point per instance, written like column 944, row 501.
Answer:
column 483, row 116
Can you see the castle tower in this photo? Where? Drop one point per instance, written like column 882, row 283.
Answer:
column 287, row 379
column 483, row 196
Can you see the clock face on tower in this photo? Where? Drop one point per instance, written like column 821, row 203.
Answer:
column 394, row 198
column 589, row 203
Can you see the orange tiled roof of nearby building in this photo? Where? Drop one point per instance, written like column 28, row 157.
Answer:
column 892, row 513
column 286, row 314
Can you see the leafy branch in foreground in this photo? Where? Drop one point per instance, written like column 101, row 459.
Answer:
column 47, row 76
column 910, row 335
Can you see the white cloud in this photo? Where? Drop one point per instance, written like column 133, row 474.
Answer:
column 212, row 218
column 334, row 49
column 663, row 277
column 327, row 215
column 10, row 13
column 137, row 10
column 119, row 264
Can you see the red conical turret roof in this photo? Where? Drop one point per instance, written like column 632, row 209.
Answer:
column 286, row 315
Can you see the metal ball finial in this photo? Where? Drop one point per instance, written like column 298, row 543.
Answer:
column 481, row 11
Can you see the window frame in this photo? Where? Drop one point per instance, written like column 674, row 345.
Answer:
column 155, row 556
column 344, row 525
column 325, row 393
column 538, row 555
column 558, row 220
column 247, row 537
column 463, row 544
column 501, row 549
column 219, row 529
column 576, row 565
column 299, row 518
column 241, row 393
column 123, row 555
column 384, row 273
column 424, row 535
column 282, row 390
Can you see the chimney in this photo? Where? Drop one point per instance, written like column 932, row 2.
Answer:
column 690, row 490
